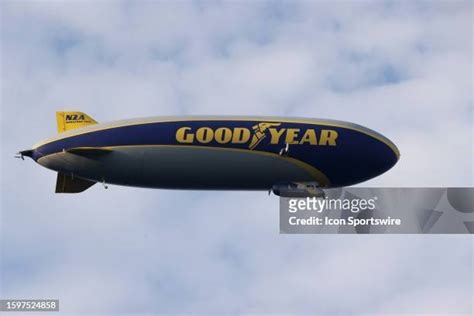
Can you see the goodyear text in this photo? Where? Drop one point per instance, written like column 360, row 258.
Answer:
column 242, row 135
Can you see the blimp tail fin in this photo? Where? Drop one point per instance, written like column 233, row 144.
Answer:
column 72, row 120
column 69, row 184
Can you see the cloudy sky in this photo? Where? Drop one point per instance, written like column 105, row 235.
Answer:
column 401, row 68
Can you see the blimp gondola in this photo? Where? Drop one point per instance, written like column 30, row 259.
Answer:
column 294, row 157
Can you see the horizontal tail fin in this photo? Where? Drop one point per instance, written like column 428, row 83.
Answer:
column 90, row 152
column 72, row 120
column 68, row 184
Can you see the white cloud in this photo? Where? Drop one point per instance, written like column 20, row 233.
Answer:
column 402, row 69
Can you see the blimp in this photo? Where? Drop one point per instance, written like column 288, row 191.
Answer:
column 291, row 157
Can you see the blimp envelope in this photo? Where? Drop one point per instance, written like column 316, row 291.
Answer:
column 381, row 211
column 213, row 153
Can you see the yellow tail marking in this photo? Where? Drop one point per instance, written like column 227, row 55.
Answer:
column 72, row 120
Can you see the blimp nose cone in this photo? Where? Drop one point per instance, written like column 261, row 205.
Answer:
column 384, row 159
column 361, row 154
column 381, row 157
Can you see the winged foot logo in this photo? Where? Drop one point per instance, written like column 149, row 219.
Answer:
column 260, row 131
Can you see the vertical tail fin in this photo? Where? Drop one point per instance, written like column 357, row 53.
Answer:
column 68, row 184
column 72, row 120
